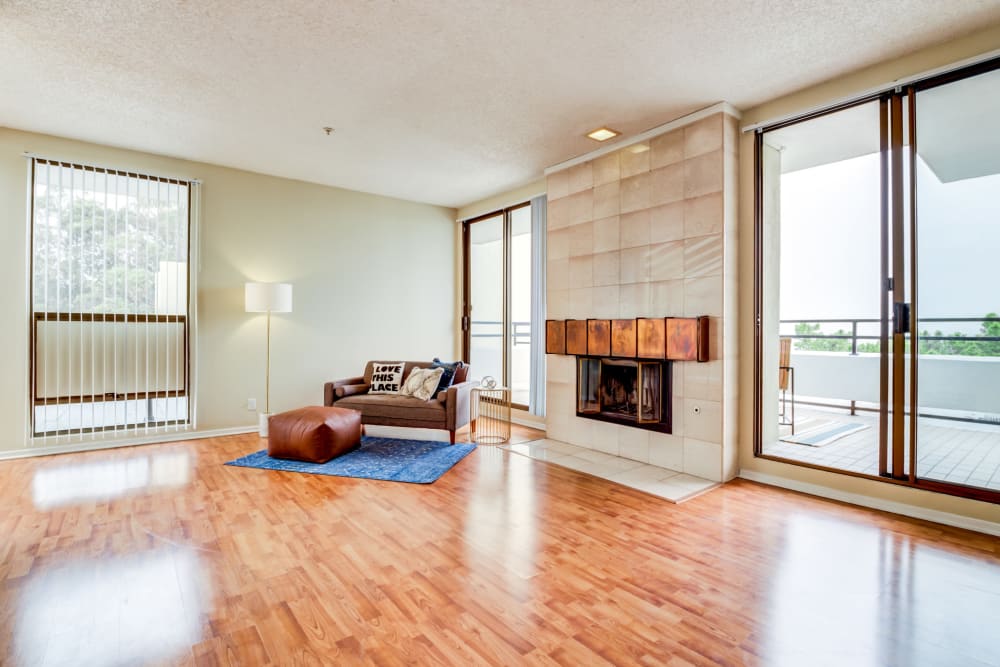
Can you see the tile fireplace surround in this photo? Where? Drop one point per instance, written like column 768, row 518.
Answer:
column 649, row 230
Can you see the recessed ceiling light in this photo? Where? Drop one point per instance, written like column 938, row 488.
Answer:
column 638, row 148
column 603, row 134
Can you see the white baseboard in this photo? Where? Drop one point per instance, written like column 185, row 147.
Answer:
column 914, row 511
column 87, row 446
column 521, row 421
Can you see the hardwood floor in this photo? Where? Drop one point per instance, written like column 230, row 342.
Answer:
column 162, row 555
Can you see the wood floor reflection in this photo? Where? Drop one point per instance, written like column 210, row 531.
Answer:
column 162, row 555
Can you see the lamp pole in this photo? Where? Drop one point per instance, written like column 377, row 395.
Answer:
column 267, row 298
column 267, row 372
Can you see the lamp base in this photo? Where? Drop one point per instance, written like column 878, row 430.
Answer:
column 262, row 423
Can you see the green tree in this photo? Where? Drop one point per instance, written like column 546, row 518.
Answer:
column 89, row 257
column 820, row 344
column 964, row 345
column 957, row 344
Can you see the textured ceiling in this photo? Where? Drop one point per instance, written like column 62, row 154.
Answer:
column 440, row 101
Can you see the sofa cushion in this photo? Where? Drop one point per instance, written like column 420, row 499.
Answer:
column 407, row 367
column 394, row 406
column 460, row 373
column 422, row 383
column 386, row 378
column 448, row 377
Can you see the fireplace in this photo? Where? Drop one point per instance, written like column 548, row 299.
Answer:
column 631, row 392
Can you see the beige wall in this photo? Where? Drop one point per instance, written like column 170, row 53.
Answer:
column 373, row 277
column 826, row 93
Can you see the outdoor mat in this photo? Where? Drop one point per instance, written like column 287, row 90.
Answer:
column 824, row 433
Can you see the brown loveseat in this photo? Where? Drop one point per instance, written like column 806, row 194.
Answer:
column 448, row 411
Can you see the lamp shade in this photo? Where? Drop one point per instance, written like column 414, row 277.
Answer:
column 268, row 297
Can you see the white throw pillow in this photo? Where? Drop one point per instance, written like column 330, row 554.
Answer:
column 422, row 383
column 386, row 378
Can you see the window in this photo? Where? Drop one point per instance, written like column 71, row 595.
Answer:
column 497, row 326
column 109, row 299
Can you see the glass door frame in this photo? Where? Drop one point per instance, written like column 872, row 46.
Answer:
column 911, row 91
column 466, row 322
column 888, row 155
column 898, row 393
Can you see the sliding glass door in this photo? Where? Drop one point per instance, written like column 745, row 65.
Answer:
column 957, row 324
column 825, row 235
column 878, row 325
column 497, row 319
column 486, row 296
column 519, row 339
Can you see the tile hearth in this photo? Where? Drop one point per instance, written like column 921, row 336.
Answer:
column 663, row 482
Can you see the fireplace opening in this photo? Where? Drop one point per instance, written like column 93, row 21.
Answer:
column 624, row 391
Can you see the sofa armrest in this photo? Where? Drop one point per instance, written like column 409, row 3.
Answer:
column 457, row 404
column 350, row 390
column 329, row 388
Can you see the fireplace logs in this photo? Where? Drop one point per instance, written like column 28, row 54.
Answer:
column 624, row 391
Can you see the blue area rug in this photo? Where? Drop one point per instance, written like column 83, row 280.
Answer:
column 389, row 459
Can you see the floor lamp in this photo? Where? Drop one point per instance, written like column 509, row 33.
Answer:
column 267, row 298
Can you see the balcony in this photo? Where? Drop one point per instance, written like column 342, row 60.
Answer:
column 487, row 355
column 958, row 433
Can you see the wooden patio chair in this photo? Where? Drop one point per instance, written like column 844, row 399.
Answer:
column 786, row 384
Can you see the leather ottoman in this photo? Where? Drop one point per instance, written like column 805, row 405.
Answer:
column 313, row 434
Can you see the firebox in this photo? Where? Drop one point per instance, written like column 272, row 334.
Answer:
column 631, row 392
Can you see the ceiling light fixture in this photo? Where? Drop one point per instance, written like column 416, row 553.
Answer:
column 638, row 148
column 603, row 134
column 328, row 130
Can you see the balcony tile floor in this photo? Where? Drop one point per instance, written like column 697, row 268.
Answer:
column 949, row 451
column 663, row 482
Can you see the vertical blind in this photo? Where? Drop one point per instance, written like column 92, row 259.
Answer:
column 109, row 299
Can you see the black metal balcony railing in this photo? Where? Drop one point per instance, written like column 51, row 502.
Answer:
column 520, row 331
column 853, row 336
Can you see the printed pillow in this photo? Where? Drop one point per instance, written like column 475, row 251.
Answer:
column 386, row 378
column 422, row 383
column 448, row 376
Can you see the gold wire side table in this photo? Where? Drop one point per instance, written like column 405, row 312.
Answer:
column 489, row 416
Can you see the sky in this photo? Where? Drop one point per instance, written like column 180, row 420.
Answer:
column 831, row 244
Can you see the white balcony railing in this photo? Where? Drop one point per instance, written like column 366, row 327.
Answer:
column 946, row 383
